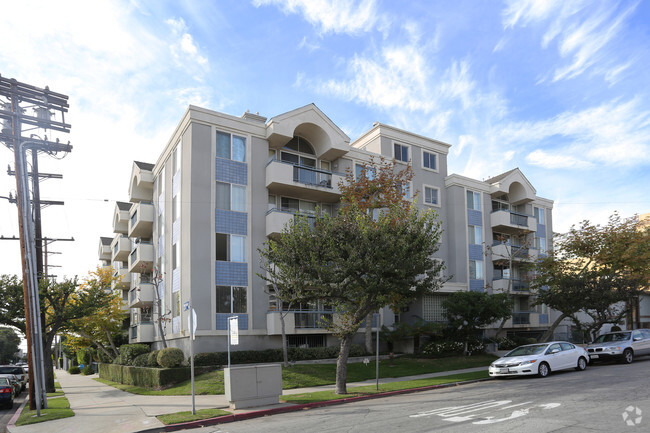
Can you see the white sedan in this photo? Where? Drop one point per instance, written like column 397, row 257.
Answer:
column 540, row 359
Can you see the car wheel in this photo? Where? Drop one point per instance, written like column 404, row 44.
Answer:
column 628, row 356
column 582, row 364
column 543, row 370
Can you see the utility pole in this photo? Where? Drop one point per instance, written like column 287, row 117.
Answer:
column 19, row 98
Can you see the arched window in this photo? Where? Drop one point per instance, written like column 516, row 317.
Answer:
column 295, row 150
column 299, row 144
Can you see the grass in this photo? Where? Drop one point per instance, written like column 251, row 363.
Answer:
column 175, row 418
column 308, row 375
column 319, row 396
column 57, row 408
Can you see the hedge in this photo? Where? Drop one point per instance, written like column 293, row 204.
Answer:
column 155, row 378
column 273, row 355
column 128, row 352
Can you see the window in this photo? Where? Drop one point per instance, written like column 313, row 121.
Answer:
column 429, row 160
column 176, row 255
column 360, row 170
column 431, row 195
column 401, row 152
column 432, row 308
column 230, row 248
column 473, row 200
column 475, row 235
column 176, row 207
column 176, row 159
column 406, row 190
column 231, row 147
column 539, row 216
column 475, row 270
column 231, row 197
column 231, row 299
column 176, row 304
column 540, row 244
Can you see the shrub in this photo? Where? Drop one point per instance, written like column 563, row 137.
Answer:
column 87, row 370
column 74, row 370
column 141, row 360
column 84, row 356
column 170, row 357
column 128, row 352
column 152, row 359
column 102, row 357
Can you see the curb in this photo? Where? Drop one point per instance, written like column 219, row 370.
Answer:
column 298, row 407
column 16, row 415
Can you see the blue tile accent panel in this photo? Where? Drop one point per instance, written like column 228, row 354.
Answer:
column 161, row 290
column 161, row 246
column 231, row 171
column 176, row 183
column 231, row 274
column 231, row 222
column 543, row 319
column 176, row 280
column 475, row 252
column 541, row 231
column 222, row 321
column 476, row 285
column 176, row 231
column 474, row 217
column 176, row 324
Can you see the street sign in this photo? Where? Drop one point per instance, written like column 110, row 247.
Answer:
column 186, row 305
column 234, row 330
column 191, row 324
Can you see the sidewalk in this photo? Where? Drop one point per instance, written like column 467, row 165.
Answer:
column 101, row 408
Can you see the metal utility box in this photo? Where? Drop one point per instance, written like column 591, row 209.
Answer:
column 251, row 386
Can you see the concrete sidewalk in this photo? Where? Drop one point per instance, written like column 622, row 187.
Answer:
column 101, row 408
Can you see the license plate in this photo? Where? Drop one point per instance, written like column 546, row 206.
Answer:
column 593, row 356
column 503, row 370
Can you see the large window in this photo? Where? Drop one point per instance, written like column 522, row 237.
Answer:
column 230, row 248
column 231, row 197
column 539, row 215
column 401, row 152
column 540, row 244
column 473, row 200
column 231, row 146
column 361, row 170
column 475, row 270
column 231, row 299
column 429, row 160
column 475, row 235
column 431, row 195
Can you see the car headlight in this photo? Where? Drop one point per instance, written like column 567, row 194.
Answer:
column 532, row 361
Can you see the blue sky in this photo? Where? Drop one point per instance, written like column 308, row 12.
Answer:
column 556, row 88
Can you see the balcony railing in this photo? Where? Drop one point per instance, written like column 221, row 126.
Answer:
column 521, row 318
column 313, row 319
column 312, row 176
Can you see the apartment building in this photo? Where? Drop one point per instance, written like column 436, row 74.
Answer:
column 190, row 231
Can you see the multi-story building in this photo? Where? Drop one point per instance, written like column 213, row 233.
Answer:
column 195, row 220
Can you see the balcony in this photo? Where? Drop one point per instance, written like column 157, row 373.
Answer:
column 505, row 252
column 104, row 251
column 142, row 295
column 302, row 182
column 142, row 332
column 511, row 222
column 141, row 188
column 121, row 217
column 141, row 258
column 298, row 322
column 524, row 319
column 120, row 248
column 277, row 219
column 123, row 277
column 141, row 219
column 500, row 285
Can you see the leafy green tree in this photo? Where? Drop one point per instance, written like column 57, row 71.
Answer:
column 597, row 270
column 61, row 304
column 376, row 252
column 467, row 312
column 9, row 343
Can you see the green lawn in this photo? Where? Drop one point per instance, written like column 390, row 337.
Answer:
column 57, row 408
column 187, row 416
column 307, row 375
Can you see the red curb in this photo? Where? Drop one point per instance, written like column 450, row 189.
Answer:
column 297, row 407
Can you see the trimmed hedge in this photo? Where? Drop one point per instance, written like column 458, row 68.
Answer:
column 128, row 352
column 170, row 357
column 74, row 370
column 155, row 378
column 152, row 360
column 141, row 360
column 273, row 355
column 87, row 370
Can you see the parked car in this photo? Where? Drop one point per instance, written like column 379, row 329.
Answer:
column 13, row 380
column 540, row 359
column 620, row 345
column 18, row 371
column 6, row 392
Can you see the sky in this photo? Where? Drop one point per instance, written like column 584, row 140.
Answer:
column 558, row 88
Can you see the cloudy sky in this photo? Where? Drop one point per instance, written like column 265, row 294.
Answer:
column 557, row 88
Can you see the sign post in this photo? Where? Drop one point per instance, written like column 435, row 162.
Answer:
column 191, row 322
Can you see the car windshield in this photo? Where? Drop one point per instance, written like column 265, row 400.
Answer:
column 3, row 381
column 527, row 350
column 615, row 336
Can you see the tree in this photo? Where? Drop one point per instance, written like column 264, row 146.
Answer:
column 467, row 312
column 61, row 304
column 9, row 342
column 376, row 252
column 594, row 269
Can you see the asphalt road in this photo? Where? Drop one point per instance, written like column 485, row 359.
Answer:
column 6, row 414
column 604, row 397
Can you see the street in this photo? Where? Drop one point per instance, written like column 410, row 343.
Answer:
column 6, row 414
column 607, row 397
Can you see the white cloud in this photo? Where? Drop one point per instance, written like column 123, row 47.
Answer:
column 333, row 16
column 559, row 159
column 183, row 48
